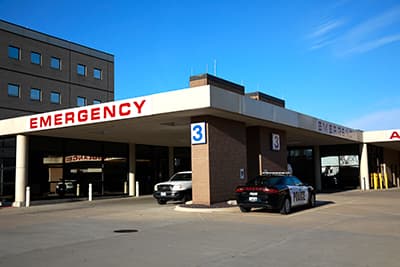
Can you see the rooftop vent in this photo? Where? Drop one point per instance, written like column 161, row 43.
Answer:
column 267, row 98
column 207, row 79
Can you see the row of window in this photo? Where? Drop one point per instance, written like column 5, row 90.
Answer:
column 55, row 97
column 55, row 63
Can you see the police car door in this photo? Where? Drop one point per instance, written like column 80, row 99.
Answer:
column 300, row 192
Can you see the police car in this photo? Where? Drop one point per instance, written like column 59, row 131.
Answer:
column 278, row 191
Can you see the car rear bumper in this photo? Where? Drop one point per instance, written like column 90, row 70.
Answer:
column 260, row 202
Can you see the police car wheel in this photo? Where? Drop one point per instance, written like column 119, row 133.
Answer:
column 311, row 201
column 285, row 209
column 161, row 201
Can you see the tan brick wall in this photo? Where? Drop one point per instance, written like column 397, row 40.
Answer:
column 201, row 174
column 216, row 165
column 196, row 83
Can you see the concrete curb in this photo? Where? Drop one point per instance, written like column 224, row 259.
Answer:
column 206, row 210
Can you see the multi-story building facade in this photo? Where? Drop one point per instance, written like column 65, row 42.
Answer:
column 39, row 73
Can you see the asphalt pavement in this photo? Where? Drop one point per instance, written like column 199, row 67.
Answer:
column 346, row 229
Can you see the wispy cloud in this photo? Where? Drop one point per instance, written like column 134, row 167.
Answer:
column 370, row 34
column 325, row 28
column 370, row 45
column 380, row 120
column 322, row 35
column 365, row 36
column 321, row 44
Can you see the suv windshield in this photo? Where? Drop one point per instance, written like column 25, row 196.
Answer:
column 181, row 177
column 266, row 181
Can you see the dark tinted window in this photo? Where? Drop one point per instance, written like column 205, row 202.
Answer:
column 36, row 94
column 81, row 69
column 13, row 89
column 181, row 177
column 97, row 74
column 81, row 101
column 289, row 181
column 14, row 52
column 55, row 63
column 36, row 58
column 55, row 98
column 296, row 181
column 266, row 181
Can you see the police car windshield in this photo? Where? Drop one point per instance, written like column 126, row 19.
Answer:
column 266, row 181
column 181, row 177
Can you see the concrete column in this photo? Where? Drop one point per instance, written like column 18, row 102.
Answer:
column 21, row 170
column 317, row 168
column 171, row 161
column 132, row 169
column 364, row 171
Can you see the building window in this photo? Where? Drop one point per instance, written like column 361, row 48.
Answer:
column 55, row 98
column 55, row 63
column 96, row 102
column 36, row 58
column 13, row 90
column 14, row 52
column 81, row 101
column 97, row 74
column 81, row 69
column 36, row 94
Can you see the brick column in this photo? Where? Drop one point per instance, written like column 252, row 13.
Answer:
column 261, row 155
column 217, row 164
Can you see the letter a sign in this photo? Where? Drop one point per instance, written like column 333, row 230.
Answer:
column 395, row 135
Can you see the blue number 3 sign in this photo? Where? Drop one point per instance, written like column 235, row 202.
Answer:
column 198, row 133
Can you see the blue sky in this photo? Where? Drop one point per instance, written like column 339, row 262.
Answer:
column 335, row 60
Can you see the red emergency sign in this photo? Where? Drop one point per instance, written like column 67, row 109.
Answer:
column 95, row 113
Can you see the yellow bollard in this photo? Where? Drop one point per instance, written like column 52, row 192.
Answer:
column 372, row 183
column 375, row 181
column 380, row 181
column 385, row 176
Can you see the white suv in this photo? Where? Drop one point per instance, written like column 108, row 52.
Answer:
column 178, row 187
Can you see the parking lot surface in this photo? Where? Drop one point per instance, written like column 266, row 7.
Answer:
column 346, row 229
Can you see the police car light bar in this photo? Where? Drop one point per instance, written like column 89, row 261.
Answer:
column 276, row 173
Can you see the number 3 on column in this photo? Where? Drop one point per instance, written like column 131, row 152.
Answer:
column 198, row 133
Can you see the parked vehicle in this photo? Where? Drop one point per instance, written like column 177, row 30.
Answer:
column 277, row 191
column 178, row 187
column 64, row 187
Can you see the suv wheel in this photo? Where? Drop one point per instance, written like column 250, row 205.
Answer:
column 187, row 197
